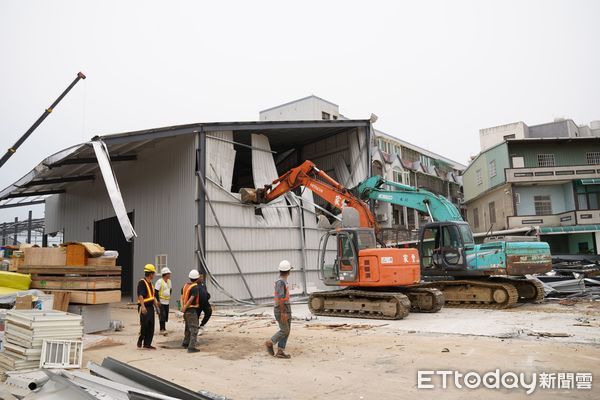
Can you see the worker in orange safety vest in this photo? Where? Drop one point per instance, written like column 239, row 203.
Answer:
column 283, row 312
column 146, row 308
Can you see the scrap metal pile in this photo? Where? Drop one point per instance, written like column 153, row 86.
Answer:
column 113, row 380
column 573, row 276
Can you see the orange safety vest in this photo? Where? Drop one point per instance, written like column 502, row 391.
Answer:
column 149, row 292
column 287, row 292
column 186, row 296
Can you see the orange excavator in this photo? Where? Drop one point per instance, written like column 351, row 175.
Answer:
column 378, row 282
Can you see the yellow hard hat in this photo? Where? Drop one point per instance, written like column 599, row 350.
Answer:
column 149, row 268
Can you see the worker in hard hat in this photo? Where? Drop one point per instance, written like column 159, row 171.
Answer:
column 190, row 302
column 147, row 306
column 205, row 306
column 283, row 312
column 162, row 290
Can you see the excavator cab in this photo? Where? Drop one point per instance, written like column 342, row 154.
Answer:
column 339, row 251
column 442, row 247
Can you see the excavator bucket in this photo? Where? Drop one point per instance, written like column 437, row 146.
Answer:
column 251, row 195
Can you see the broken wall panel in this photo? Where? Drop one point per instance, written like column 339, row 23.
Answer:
column 264, row 173
column 220, row 158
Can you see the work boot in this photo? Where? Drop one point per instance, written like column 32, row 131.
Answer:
column 193, row 350
column 184, row 345
column 282, row 354
column 139, row 343
column 149, row 347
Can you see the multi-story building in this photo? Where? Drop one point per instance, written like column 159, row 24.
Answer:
column 393, row 158
column 544, row 177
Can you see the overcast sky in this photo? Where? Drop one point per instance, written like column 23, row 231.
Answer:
column 435, row 72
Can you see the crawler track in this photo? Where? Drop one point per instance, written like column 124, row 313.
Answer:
column 360, row 304
column 530, row 290
column 425, row 299
column 477, row 293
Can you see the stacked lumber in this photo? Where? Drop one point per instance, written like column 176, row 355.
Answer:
column 77, row 271
column 85, row 284
column 25, row 331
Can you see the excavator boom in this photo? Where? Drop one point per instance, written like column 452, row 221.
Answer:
column 321, row 184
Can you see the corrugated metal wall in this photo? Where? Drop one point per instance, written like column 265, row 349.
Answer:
column 159, row 187
column 259, row 248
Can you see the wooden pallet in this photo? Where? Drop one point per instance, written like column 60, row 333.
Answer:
column 75, row 270
column 75, row 282
column 91, row 296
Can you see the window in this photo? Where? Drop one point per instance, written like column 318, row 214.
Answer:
column 325, row 115
column 478, row 177
column 160, row 261
column 517, row 198
column 492, row 210
column 543, row 205
column 518, row 162
column 545, row 160
column 506, row 137
column 397, row 149
column 593, row 158
column 335, row 117
column 588, row 197
column 377, row 168
column 475, row 218
column 492, row 168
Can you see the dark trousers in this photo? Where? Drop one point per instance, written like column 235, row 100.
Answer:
column 164, row 316
column 207, row 310
column 146, row 325
column 191, row 328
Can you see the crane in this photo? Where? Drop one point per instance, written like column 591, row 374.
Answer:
column 378, row 282
column 12, row 150
column 488, row 275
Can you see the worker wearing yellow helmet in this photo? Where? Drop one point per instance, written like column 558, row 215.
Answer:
column 147, row 304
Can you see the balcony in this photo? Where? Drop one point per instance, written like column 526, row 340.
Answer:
column 569, row 218
column 545, row 174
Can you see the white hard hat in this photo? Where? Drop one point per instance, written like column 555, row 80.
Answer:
column 194, row 274
column 165, row 271
column 285, row 266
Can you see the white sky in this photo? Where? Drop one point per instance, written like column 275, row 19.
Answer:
column 435, row 72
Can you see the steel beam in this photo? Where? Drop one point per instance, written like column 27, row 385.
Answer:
column 29, row 203
column 30, row 194
column 91, row 160
column 65, row 179
column 151, row 381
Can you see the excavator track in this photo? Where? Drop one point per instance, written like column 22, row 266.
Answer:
column 425, row 299
column 359, row 304
column 477, row 293
column 530, row 290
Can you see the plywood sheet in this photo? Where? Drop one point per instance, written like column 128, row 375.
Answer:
column 75, row 283
column 93, row 297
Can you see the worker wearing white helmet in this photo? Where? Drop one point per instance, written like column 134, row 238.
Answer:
column 163, row 288
column 283, row 312
column 190, row 301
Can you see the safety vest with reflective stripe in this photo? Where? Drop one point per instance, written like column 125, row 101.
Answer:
column 186, row 296
column 149, row 292
column 163, row 286
column 286, row 297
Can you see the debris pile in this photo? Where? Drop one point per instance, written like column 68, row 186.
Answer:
column 111, row 380
column 26, row 331
column 573, row 276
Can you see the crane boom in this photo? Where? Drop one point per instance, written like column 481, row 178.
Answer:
column 307, row 174
column 12, row 150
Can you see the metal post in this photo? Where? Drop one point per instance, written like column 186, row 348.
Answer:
column 29, row 227
column 16, row 231
column 302, row 243
column 44, row 238
column 4, row 234
column 201, row 194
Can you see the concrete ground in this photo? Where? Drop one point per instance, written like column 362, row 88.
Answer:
column 370, row 359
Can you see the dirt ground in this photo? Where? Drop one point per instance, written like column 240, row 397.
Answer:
column 369, row 359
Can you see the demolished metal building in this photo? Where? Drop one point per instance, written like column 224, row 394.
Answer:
column 180, row 187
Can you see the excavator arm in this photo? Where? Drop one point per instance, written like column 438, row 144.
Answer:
column 321, row 184
column 437, row 207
